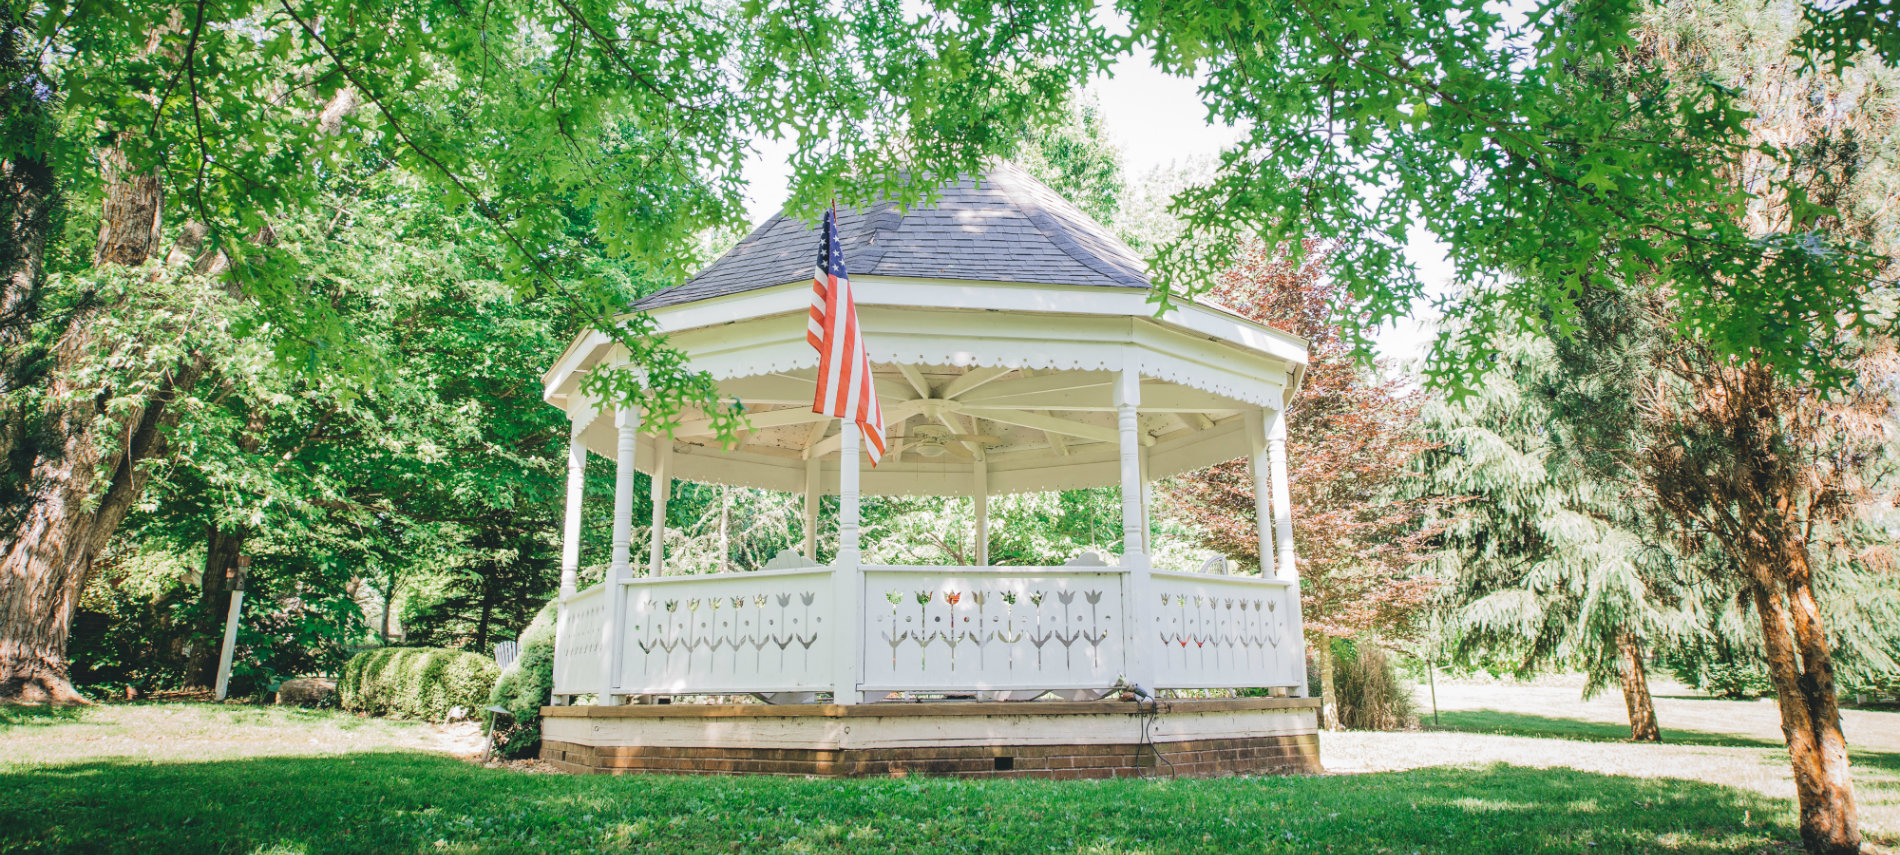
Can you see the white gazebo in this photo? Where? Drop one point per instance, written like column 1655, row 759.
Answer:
column 1015, row 350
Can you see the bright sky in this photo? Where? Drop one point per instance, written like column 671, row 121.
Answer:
column 1157, row 119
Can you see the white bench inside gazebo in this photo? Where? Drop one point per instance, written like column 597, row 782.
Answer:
column 1015, row 350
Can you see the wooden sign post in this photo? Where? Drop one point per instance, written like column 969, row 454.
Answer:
column 231, row 624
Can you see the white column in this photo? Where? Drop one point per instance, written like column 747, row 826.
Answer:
column 571, row 525
column 627, row 422
column 813, row 492
column 1262, row 472
column 1134, row 541
column 847, row 590
column 981, row 493
column 662, row 490
column 1286, row 566
column 1282, row 497
column 1134, row 515
column 1147, row 507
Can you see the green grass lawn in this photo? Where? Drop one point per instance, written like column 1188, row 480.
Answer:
column 200, row 778
column 1550, row 727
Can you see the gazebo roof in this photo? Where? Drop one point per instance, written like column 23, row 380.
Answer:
column 1004, row 226
column 1003, row 324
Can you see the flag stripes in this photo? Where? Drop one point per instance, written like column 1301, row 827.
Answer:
column 846, row 388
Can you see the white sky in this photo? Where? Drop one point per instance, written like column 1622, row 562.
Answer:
column 1157, row 120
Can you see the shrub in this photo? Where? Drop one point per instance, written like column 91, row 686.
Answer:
column 416, row 682
column 1715, row 665
column 1372, row 694
column 527, row 685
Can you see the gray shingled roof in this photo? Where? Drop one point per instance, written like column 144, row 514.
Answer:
column 1008, row 227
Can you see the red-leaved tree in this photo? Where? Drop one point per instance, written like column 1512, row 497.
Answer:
column 1350, row 435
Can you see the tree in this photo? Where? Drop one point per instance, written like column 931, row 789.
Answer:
column 1513, row 140
column 200, row 132
column 1780, row 471
column 1351, row 435
column 1784, row 472
column 1584, row 148
column 1551, row 559
column 1076, row 159
column 401, row 483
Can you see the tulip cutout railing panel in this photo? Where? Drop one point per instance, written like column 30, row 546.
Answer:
column 1221, row 631
column 580, row 650
column 989, row 628
column 769, row 631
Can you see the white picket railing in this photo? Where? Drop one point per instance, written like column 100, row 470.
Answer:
column 992, row 628
column 769, row 631
column 933, row 629
column 580, row 651
column 1211, row 632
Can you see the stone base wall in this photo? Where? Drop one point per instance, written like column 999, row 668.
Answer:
column 964, row 741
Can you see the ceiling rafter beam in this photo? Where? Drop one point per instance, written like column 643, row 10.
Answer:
column 1048, row 424
column 1057, row 442
column 971, row 379
column 916, row 378
column 1011, row 393
column 793, row 389
column 758, row 421
column 894, row 415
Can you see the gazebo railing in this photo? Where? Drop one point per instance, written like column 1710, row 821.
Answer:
column 1217, row 632
column 993, row 628
column 580, row 650
column 728, row 633
column 933, row 629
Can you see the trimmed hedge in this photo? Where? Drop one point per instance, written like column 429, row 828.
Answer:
column 527, row 686
column 417, row 682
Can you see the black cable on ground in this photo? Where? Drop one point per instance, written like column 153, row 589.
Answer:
column 1148, row 719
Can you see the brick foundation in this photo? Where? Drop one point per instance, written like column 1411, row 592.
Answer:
column 1224, row 754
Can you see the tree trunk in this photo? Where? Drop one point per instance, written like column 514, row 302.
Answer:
column 1642, row 709
column 1328, row 693
column 487, row 614
column 29, row 195
column 214, row 602
column 389, row 603
column 1802, row 670
column 64, row 524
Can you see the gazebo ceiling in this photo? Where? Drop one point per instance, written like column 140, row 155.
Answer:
column 972, row 366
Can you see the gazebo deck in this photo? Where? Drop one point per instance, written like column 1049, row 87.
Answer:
column 971, row 739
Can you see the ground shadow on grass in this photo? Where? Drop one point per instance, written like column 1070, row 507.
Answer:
column 1552, row 727
column 415, row 803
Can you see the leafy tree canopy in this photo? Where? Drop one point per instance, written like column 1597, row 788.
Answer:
column 1530, row 146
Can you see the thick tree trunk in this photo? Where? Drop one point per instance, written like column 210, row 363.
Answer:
column 1328, row 693
column 29, row 205
column 1802, row 669
column 1642, row 709
column 64, row 523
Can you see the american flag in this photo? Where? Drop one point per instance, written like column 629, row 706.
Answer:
column 845, row 385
